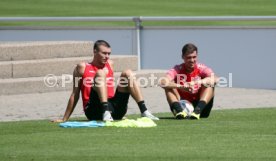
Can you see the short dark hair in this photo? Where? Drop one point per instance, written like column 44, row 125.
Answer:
column 188, row 49
column 98, row 43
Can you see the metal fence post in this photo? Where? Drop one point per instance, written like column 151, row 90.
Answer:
column 138, row 27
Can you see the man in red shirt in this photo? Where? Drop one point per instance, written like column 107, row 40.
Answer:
column 95, row 81
column 190, row 81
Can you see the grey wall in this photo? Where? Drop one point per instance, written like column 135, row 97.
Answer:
column 249, row 54
column 120, row 39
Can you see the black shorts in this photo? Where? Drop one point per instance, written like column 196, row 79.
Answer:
column 117, row 104
column 207, row 110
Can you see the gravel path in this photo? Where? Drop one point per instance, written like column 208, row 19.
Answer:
column 52, row 105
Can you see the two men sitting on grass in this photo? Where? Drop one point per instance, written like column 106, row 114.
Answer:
column 190, row 80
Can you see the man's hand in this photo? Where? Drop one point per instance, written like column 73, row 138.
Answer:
column 190, row 87
column 58, row 121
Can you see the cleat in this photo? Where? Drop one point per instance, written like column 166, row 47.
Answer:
column 195, row 116
column 149, row 115
column 107, row 116
column 181, row 115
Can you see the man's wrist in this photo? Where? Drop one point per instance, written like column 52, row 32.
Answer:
column 200, row 82
column 179, row 86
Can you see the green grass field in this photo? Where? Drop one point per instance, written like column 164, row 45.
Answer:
column 18, row 8
column 236, row 135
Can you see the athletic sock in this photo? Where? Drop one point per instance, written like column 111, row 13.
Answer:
column 200, row 106
column 142, row 106
column 105, row 106
column 177, row 107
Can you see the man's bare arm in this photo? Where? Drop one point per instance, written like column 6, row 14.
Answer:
column 74, row 97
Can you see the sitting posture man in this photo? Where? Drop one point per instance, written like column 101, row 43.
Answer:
column 95, row 81
column 190, row 81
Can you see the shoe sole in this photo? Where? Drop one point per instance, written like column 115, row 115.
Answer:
column 181, row 117
column 193, row 118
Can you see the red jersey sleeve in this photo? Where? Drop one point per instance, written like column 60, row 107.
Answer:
column 204, row 71
column 172, row 73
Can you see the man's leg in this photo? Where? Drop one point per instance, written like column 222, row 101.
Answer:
column 173, row 99
column 119, row 103
column 208, row 96
column 101, row 89
column 172, row 95
column 128, row 84
column 205, row 101
column 93, row 109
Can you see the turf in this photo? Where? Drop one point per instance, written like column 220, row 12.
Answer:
column 245, row 134
column 18, row 8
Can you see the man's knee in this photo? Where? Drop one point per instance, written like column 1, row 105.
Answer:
column 127, row 73
column 100, row 73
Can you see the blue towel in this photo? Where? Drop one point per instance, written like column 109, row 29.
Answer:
column 140, row 122
column 74, row 124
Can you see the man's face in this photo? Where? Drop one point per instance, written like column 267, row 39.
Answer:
column 102, row 55
column 190, row 60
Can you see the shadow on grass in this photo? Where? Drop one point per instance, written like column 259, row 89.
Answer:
column 167, row 118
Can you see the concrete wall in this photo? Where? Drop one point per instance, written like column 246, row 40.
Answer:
column 248, row 53
column 120, row 39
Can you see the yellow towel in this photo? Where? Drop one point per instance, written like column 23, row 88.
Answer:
column 140, row 122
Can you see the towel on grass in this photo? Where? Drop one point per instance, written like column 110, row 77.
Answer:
column 140, row 122
column 82, row 124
